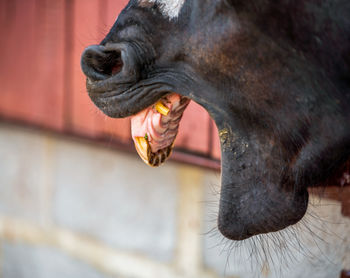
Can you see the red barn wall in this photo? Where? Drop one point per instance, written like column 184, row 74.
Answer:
column 42, row 84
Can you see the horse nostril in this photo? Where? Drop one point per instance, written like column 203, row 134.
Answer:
column 98, row 63
column 116, row 66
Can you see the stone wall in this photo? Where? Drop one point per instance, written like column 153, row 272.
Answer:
column 74, row 209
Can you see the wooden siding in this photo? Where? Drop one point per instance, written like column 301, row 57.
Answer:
column 42, row 83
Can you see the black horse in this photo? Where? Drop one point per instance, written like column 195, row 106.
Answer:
column 274, row 75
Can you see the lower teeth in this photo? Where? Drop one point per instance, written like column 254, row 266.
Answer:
column 150, row 158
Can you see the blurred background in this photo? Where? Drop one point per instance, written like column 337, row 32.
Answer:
column 75, row 199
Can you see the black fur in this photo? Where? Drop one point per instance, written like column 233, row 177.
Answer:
column 275, row 77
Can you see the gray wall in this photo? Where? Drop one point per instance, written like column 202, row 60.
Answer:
column 73, row 209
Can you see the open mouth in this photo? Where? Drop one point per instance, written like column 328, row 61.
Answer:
column 115, row 87
column 154, row 129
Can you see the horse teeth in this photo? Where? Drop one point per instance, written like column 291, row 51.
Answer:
column 152, row 159
column 161, row 108
column 143, row 148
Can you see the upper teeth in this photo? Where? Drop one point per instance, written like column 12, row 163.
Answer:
column 161, row 108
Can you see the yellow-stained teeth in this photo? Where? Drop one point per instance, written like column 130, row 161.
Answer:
column 143, row 148
column 161, row 108
column 152, row 159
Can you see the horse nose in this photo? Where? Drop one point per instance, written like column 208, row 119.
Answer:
column 99, row 63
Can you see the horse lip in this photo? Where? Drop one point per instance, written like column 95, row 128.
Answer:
column 113, row 85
